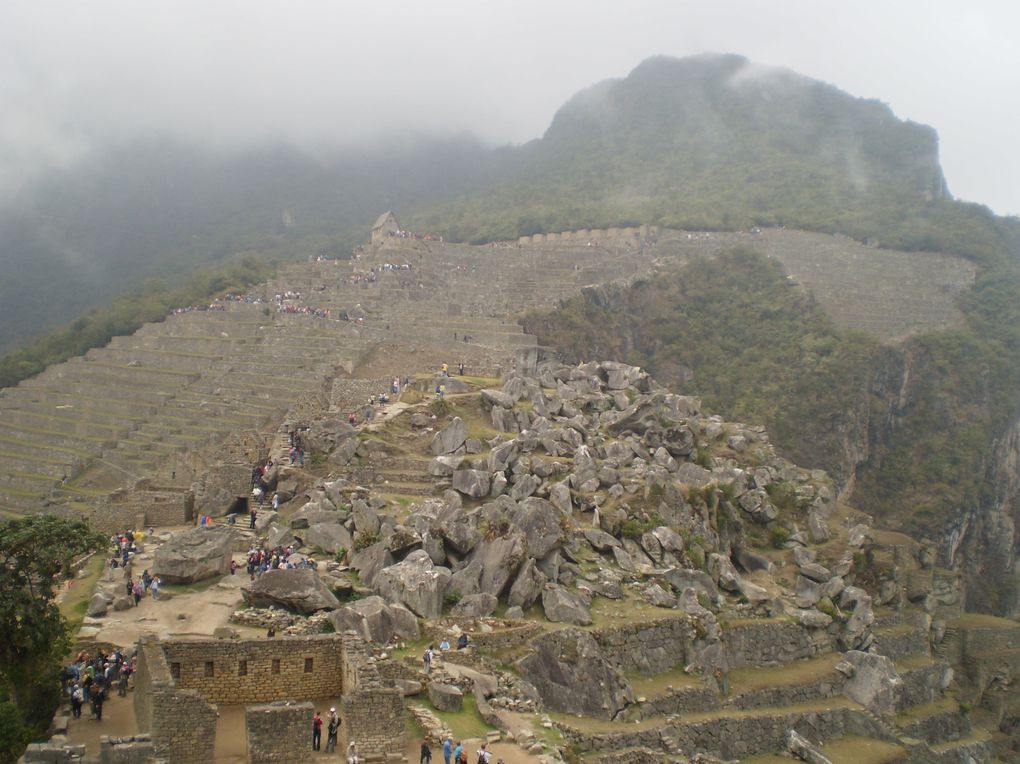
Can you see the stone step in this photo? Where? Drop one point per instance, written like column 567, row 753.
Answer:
column 101, row 400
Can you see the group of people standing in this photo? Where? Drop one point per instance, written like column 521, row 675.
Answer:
column 89, row 679
column 332, row 723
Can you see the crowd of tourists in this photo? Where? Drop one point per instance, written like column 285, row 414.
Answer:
column 90, row 678
column 455, row 753
column 261, row 560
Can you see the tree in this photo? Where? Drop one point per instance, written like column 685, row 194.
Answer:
column 35, row 554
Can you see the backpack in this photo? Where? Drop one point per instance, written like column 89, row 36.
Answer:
column 78, row 695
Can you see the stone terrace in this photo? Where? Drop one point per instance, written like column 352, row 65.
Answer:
column 106, row 420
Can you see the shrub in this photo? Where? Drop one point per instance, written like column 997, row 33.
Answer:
column 365, row 539
column 778, row 535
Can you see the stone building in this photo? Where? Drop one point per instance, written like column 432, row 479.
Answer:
column 179, row 682
column 385, row 225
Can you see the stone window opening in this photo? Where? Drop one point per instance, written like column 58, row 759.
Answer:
column 242, row 668
column 308, row 665
column 175, row 670
column 276, row 666
column 209, row 668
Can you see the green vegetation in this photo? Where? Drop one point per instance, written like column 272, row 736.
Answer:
column 38, row 554
column 733, row 332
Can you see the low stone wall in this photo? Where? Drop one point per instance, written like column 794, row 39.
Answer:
column 681, row 700
column 920, row 685
column 137, row 749
column 731, row 737
column 646, row 648
column 258, row 670
column 277, row 731
column 775, row 697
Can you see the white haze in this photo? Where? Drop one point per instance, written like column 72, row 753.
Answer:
column 320, row 75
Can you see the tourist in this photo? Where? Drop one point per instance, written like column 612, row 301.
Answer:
column 122, row 684
column 77, row 699
column 444, row 645
column 462, row 640
column 252, row 515
column 276, row 501
column 445, row 370
column 426, row 659
column 352, row 753
column 447, row 749
column 316, row 731
column 154, row 588
column 233, row 567
column 426, row 752
column 484, row 755
column 460, row 368
column 458, row 751
column 98, row 698
column 331, row 730
column 136, row 592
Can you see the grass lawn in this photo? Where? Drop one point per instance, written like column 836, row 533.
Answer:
column 466, row 723
column 76, row 600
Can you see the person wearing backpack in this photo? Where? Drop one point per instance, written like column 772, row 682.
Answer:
column 483, row 754
column 77, row 699
column 426, row 659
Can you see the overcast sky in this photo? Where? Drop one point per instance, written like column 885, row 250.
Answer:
column 75, row 74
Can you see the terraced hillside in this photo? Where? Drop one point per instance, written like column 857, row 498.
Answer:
column 120, row 413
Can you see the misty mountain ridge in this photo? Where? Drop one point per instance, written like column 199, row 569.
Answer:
column 712, row 142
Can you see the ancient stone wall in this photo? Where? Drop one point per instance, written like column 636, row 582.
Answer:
column 372, row 713
column 137, row 749
column 772, row 643
column 646, row 648
column 181, row 724
column 258, row 670
column 277, row 731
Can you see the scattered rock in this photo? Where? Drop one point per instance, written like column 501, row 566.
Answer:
column 562, row 606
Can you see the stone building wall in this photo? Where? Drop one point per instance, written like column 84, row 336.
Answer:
column 372, row 713
column 181, row 724
column 258, row 670
column 277, row 731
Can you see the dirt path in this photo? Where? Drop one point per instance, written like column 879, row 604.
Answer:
column 194, row 611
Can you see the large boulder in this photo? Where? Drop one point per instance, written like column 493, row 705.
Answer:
column 562, row 606
column 475, row 606
column 573, row 676
column 500, row 558
column 528, row 586
column 416, row 583
column 450, row 438
column 194, row 555
column 472, row 483
column 445, row 697
column 329, row 537
column 375, row 621
column 97, row 606
column 299, row 590
column 872, row 681
column 370, row 561
column 540, row 522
